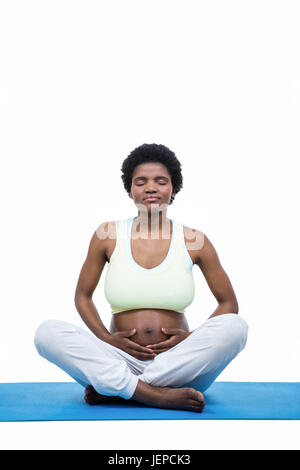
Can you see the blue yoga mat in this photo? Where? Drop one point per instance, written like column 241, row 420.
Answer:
column 63, row 401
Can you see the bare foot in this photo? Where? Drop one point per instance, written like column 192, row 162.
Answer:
column 182, row 398
column 167, row 397
column 94, row 398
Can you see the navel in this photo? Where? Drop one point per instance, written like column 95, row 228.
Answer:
column 148, row 330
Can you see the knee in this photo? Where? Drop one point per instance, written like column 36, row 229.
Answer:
column 44, row 334
column 237, row 331
column 243, row 328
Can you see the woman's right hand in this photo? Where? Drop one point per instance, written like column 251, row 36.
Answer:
column 120, row 339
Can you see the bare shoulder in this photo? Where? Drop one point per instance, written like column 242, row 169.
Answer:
column 106, row 230
column 194, row 240
column 95, row 261
column 105, row 237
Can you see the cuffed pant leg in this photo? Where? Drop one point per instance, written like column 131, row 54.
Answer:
column 201, row 357
column 87, row 359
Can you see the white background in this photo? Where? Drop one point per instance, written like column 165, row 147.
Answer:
column 85, row 82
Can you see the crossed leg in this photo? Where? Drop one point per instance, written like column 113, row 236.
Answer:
column 87, row 359
column 174, row 379
column 192, row 365
column 202, row 356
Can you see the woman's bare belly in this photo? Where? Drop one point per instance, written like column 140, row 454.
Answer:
column 148, row 324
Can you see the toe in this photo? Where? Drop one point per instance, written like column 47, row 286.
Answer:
column 195, row 395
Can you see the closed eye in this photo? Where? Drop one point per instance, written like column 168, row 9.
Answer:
column 143, row 183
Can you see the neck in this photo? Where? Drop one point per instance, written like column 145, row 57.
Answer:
column 153, row 222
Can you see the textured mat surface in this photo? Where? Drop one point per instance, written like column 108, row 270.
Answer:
column 63, row 401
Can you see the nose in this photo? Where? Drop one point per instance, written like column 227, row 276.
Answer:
column 150, row 191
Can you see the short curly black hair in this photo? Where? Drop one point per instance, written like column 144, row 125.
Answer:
column 147, row 153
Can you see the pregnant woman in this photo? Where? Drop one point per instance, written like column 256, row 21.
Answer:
column 149, row 353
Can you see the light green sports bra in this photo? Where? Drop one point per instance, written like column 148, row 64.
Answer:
column 170, row 285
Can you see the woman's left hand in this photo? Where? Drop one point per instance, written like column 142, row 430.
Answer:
column 176, row 336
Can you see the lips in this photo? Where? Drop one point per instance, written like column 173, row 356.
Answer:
column 151, row 199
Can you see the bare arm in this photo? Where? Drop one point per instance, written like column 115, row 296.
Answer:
column 217, row 279
column 218, row 282
column 88, row 279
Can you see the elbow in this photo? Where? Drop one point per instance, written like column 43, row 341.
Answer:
column 79, row 297
column 231, row 306
column 233, row 303
column 83, row 292
column 234, row 307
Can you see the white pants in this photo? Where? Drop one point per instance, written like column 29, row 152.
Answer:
column 194, row 362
